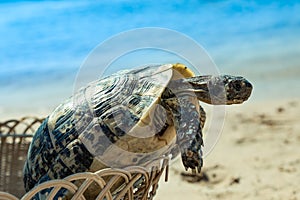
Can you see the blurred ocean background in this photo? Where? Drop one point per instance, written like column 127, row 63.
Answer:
column 44, row 43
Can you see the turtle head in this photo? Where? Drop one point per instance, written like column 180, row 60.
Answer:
column 220, row 90
column 236, row 88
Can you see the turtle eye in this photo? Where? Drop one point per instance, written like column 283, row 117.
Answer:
column 237, row 86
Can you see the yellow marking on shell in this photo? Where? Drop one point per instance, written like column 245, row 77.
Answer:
column 37, row 142
column 64, row 128
column 145, row 120
column 145, row 144
column 178, row 71
column 168, row 136
column 61, row 110
column 183, row 70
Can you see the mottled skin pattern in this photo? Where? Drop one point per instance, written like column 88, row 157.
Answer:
column 79, row 133
column 188, row 130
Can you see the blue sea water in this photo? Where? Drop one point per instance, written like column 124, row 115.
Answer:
column 44, row 43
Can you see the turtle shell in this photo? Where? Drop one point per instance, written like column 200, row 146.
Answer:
column 110, row 123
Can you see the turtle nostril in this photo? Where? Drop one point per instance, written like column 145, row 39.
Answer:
column 248, row 84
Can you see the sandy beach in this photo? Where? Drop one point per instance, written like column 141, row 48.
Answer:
column 256, row 157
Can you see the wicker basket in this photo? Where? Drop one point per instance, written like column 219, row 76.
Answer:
column 132, row 183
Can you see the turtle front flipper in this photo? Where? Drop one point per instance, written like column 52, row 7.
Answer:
column 187, row 121
column 189, row 134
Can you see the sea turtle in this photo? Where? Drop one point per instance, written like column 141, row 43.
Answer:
column 129, row 118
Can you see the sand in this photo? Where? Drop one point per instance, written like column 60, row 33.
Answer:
column 256, row 157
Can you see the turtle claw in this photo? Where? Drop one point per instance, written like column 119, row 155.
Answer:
column 192, row 160
column 194, row 171
column 199, row 168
